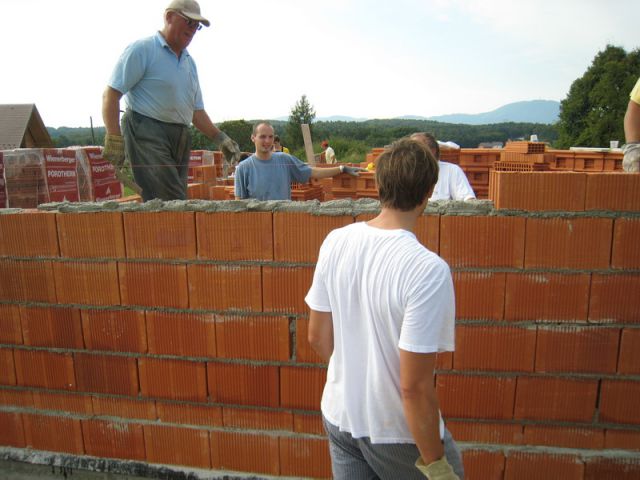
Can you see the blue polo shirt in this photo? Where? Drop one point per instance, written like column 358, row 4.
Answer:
column 157, row 83
column 269, row 179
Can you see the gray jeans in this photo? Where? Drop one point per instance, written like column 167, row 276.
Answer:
column 159, row 155
column 357, row 458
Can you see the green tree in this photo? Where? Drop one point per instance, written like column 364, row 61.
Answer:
column 593, row 111
column 301, row 113
column 239, row 130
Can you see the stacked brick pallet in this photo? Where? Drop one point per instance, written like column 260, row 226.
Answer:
column 179, row 337
column 476, row 164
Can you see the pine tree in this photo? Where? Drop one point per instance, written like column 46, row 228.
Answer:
column 302, row 112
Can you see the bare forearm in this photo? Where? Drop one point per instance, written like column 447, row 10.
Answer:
column 320, row 334
column 422, row 415
column 203, row 123
column 111, row 110
column 632, row 122
column 324, row 172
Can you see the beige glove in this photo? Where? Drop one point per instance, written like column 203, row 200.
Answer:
column 229, row 149
column 114, row 150
column 631, row 162
column 438, row 470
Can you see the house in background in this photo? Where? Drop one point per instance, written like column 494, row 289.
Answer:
column 21, row 127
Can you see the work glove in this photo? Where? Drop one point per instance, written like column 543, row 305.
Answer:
column 438, row 470
column 631, row 161
column 353, row 171
column 229, row 149
column 114, row 150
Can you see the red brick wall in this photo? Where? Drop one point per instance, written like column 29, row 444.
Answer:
column 132, row 335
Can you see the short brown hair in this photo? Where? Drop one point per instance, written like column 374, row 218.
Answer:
column 405, row 172
column 430, row 140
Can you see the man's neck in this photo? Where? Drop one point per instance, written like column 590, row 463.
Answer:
column 263, row 155
column 392, row 219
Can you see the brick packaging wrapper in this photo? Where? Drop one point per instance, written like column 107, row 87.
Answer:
column 24, row 176
column 61, row 174
column 197, row 159
column 102, row 184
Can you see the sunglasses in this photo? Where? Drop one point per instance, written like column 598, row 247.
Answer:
column 190, row 23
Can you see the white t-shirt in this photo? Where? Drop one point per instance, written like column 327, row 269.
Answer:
column 452, row 184
column 329, row 155
column 385, row 291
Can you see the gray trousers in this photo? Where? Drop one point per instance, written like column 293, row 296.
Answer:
column 359, row 459
column 159, row 155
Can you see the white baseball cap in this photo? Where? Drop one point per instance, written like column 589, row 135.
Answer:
column 190, row 9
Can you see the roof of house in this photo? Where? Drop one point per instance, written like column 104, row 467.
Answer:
column 21, row 127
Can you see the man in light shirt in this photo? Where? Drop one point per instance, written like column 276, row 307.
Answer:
column 631, row 162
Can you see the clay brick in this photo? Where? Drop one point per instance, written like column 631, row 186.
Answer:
column 284, row 288
column 256, row 338
column 173, row 379
column 44, row 369
column 619, row 401
column 428, row 232
column 30, row 233
column 476, row 396
column 308, row 423
column 566, row 437
column 51, row 327
column 225, row 287
column 160, row 234
column 497, row 433
column 10, row 328
column 11, row 430
column 177, row 446
column 479, row 295
column 63, row 402
column 625, row 252
column 575, row 243
column 482, row 464
column 239, row 452
column 244, row 384
column 444, row 361
column 91, row 235
column 601, row 468
column 577, row 349
column 551, row 398
column 106, row 374
column 189, row 414
column 614, row 298
column 184, row 334
column 124, row 407
column 564, row 191
column 233, row 236
column 498, row 348
column 113, row 440
column 55, row 434
column 546, row 296
column 298, row 236
column 629, row 361
column 22, row 398
column 92, row 283
column 114, row 330
column 304, row 352
column 251, row 419
column 525, row 466
column 7, row 367
column 27, row 281
column 301, row 387
column 304, row 457
column 612, row 191
column 153, row 285
column 482, row 241
column 622, row 439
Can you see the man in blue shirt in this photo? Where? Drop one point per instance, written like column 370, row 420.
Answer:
column 160, row 83
column 267, row 175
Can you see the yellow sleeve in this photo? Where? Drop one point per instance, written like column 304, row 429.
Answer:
column 285, row 150
column 635, row 93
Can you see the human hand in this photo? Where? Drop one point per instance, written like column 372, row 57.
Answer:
column 631, row 161
column 113, row 150
column 353, row 171
column 438, row 470
column 228, row 147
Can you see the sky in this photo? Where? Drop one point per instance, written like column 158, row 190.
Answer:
column 358, row 58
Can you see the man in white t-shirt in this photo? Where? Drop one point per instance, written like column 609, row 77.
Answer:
column 329, row 154
column 452, row 184
column 382, row 307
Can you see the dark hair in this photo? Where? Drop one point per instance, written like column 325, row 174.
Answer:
column 256, row 125
column 276, row 138
column 405, row 172
column 430, row 140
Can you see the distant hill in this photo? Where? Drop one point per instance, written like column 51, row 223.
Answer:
column 531, row 111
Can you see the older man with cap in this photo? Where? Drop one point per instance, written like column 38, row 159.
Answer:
column 160, row 83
